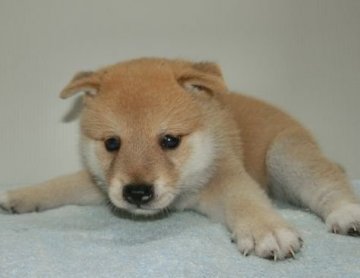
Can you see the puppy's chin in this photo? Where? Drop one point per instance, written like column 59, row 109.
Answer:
column 134, row 211
column 146, row 212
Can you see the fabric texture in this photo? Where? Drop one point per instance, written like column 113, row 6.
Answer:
column 76, row 241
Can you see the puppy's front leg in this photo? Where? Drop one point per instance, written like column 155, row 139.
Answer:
column 75, row 189
column 248, row 213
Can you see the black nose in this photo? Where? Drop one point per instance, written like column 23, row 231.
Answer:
column 138, row 194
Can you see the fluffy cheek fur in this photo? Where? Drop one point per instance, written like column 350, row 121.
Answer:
column 95, row 161
column 199, row 165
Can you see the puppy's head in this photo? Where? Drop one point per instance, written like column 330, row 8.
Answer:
column 145, row 134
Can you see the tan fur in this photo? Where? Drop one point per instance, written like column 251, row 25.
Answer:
column 234, row 149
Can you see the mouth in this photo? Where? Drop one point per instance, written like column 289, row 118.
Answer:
column 137, row 211
column 159, row 206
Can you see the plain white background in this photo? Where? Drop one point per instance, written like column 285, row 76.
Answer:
column 303, row 56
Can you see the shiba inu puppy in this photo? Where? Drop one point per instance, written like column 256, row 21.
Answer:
column 159, row 134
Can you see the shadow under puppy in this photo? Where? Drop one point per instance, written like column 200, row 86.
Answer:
column 160, row 134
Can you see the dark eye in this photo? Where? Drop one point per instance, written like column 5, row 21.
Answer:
column 170, row 142
column 112, row 144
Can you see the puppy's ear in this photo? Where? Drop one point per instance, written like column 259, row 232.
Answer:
column 203, row 77
column 85, row 81
column 209, row 68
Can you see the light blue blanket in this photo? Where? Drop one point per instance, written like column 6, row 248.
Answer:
column 91, row 242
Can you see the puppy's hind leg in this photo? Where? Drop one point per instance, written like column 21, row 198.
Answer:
column 301, row 174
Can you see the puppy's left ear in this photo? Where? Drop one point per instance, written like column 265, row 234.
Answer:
column 85, row 81
column 203, row 76
column 209, row 68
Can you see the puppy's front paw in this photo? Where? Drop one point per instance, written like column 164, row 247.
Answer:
column 4, row 201
column 276, row 243
column 345, row 220
column 16, row 202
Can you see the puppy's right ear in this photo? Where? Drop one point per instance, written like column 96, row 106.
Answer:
column 85, row 81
